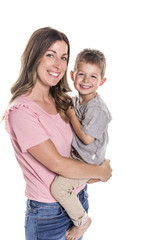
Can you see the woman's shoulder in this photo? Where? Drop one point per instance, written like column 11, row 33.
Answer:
column 20, row 100
column 18, row 112
column 18, row 105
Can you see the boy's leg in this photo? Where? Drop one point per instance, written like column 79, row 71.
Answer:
column 62, row 190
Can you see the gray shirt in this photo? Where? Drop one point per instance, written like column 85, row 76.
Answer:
column 94, row 117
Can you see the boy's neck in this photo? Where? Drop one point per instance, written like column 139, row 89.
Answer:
column 83, row 99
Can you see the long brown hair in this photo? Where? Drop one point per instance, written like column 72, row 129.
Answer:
column 36, row 47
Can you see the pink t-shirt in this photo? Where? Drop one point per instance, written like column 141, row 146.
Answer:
column 29, row 125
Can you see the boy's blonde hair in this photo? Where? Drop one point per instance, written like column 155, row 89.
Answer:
column 92, row 56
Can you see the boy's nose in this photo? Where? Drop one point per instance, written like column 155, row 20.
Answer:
column 85, row 79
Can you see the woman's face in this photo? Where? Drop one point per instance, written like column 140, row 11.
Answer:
column 53, row 64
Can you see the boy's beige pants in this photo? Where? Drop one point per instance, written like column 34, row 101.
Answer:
column 62, row 190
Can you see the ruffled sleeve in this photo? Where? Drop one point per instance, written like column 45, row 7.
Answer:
column 7, row 118
column 24, row 126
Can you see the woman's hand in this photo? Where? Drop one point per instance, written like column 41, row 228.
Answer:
column 107, row 170
column 107, row 173
column 93, row 180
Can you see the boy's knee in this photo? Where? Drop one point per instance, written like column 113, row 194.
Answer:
column 60, row 188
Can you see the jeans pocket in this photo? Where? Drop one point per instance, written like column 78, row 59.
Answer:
column 53, row 226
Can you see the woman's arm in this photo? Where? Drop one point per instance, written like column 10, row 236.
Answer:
column 86, row 139
column 47, row 154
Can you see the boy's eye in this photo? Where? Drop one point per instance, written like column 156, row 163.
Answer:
column 80, row 74
column 93, row 76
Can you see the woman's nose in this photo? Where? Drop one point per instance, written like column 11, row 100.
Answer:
column 57, row 62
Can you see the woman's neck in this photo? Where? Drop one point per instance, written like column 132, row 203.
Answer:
column 40, row 94
column 44, row 100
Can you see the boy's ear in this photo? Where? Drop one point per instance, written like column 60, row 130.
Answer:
column 72, row 75
column 103, row 80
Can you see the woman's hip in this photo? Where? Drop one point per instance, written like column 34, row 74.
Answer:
column 49, row 221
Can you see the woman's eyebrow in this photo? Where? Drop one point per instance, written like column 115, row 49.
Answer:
column 56, row 52
column 51, row 51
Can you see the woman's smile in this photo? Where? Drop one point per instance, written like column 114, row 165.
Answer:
column 53, row 74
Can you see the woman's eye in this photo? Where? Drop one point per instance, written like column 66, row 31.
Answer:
column 50, row 55
column 64, row 58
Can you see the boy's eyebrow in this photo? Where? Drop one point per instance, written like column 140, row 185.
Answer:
column 56, row 52
column 91, row 73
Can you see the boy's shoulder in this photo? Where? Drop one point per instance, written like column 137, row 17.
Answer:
column 97, row 102
column 95, row 107
column 98, row 105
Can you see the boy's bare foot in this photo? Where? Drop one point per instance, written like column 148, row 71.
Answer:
column 75, row 233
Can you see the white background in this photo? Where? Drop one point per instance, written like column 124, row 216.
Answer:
column 128, row 32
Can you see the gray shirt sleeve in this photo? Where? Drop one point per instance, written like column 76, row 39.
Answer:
column 95, row 122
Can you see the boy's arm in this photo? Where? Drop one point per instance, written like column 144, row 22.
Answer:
column 86, row 139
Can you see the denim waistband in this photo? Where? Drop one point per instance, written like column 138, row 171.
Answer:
column 34, row 203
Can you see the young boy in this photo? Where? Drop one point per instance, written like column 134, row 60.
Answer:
column 89, row 119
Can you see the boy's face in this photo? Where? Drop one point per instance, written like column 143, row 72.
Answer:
column 87, row 78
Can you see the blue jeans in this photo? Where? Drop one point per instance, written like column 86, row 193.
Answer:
column 49, row 221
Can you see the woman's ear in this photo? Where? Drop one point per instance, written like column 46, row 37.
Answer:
column 72, row 75
column 103, row 80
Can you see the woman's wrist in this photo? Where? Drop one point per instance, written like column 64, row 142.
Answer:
column 101, row 172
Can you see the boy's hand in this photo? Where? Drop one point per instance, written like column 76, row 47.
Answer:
column 70, row 112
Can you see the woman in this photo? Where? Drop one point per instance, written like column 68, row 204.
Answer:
column 41, row 135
